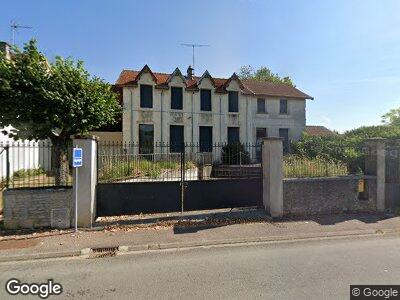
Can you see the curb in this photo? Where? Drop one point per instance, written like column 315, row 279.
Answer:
column 83, row 253
column 271, row 239
column 45, row 255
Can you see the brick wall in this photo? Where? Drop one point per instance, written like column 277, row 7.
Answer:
column 33, row 208
column 328, row 195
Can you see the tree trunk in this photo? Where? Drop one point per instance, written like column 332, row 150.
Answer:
column 61, row 163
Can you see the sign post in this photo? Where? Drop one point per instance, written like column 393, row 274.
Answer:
column 77, row 161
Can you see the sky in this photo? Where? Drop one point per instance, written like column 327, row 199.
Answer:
column 346, row 54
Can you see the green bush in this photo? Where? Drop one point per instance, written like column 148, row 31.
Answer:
column 24, row 173
column 297, row 167
column 235, row 154
column 344, row 148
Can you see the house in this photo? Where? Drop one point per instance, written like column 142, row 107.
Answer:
column 176, row 109
column 313, row 130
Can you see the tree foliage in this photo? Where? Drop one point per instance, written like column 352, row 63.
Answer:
column 52, row 100
column 263, row 74
column 392, row 117
column 345, row 148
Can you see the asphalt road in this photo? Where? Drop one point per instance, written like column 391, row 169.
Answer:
column 297, row 270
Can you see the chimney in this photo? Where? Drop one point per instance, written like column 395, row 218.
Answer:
column 189, row 73
column 5, row 48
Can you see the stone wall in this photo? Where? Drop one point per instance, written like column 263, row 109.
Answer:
column 34, row 208
column 303, row 196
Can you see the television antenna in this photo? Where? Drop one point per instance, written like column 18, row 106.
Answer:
column 194, row 46
column 14, row 28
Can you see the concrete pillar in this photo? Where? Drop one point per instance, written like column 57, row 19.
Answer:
column 272, row 165
column 375, row 164
column 87, row 180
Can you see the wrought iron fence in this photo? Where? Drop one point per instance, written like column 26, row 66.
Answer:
column 32, row 164
column 126, row 162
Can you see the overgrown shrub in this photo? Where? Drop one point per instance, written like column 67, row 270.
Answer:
column 114, row 170
column 297, row 166
column 235, row 154
column 24, row 173
column 344, row 148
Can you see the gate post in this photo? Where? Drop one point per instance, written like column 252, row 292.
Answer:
column 272, row 167
column 87, row 180
column 375, row 164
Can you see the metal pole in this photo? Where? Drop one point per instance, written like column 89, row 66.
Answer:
column 182, row 179
column 76, row 199
column 193, row 57
column 7, row 166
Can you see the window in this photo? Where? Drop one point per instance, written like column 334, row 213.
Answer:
column 261, row 106
column 283, row 107
column 205, row 100
column 146, row 139
column 146, row 96
column 260, row 134
column 284, row 134
column 205, row 138
column 176, row 98
column 233, row 99
column 233, row 135
column 176, row 138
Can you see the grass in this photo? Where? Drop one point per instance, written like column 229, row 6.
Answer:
column 30, row 178
column 122, row 169
column 24, row 173
column 299, row 167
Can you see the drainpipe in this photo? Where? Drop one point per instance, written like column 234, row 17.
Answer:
column 161, row 118
column 247, row 119
column 192, row 118
column 132, row 110
column 220, row 119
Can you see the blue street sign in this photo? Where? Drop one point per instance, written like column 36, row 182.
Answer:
column 77, row 159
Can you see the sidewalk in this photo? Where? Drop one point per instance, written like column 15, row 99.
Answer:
column 199, row 229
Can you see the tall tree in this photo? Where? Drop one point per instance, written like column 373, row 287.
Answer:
column 44, row 100
column 392, row 117
column 263, row 74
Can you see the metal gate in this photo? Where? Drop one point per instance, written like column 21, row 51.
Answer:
column 154, row 179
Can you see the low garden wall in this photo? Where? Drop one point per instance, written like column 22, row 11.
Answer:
column 322, row 195
column 34, row 208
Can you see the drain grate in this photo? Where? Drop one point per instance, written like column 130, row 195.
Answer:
column 103, row 252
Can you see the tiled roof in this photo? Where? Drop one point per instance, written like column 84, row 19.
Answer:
column 263, row 88
column 319, row 131
column 249, row 87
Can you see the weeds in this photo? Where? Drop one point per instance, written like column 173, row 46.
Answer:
column 297, row 167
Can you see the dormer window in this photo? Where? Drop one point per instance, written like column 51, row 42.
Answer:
column 176, row 98
column 146, row 96
column 233, row 99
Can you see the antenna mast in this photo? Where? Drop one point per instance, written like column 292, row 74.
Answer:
column 14, row 28
column 194, row 46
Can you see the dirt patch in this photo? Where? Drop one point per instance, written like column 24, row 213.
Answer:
column 18, row 244
column 208, row 222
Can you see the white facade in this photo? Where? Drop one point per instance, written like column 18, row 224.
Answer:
column 161, row 116
column 23, row 155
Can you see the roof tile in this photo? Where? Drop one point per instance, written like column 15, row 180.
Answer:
column 250, row 87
